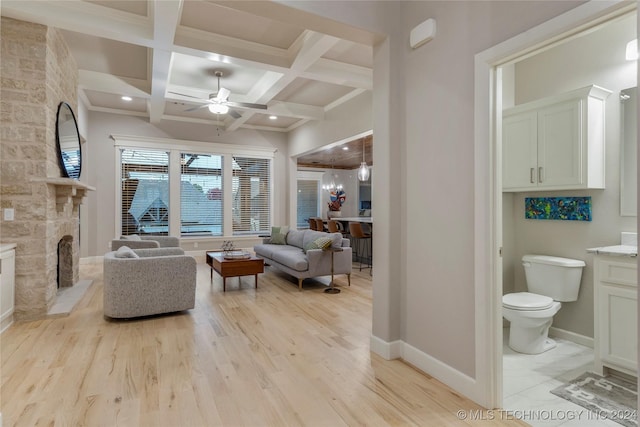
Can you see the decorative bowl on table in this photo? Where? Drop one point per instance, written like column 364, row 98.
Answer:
column 236, row 255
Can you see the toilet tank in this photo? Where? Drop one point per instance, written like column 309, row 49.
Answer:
column 555, row 277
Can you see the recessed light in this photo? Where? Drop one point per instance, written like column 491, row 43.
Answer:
column 345, row 148
column 273, row 117
column 127, row 98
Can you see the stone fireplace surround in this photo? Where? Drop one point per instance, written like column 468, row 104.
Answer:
column 37, row 73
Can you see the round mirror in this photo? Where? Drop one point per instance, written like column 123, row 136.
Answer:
column 68, row 141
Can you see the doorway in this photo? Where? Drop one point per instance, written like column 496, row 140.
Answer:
column 494, row 67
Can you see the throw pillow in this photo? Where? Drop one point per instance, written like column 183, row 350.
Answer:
column 131, row 237
column 319, row 243
column 279, row 235
column 125, row 252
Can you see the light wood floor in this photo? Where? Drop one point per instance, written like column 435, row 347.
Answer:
column 267, row 357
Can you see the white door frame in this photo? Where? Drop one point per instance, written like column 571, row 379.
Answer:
column 488, row 179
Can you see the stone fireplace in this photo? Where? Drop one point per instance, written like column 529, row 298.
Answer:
column 37, row 73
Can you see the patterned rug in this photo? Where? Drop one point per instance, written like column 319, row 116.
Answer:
column 612, row 398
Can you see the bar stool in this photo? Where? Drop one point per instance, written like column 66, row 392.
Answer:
column 319, row 224
column 360, row 237
column 335, row 227
column 312, row 224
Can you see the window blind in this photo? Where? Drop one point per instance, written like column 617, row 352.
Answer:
column 251, row 195
column 307, row 202
column 145, row 191
column 201, row 190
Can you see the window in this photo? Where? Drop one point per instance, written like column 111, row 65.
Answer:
column 307, row 201
column 215, row 190
column 251, row 195
column 200, row 195
column 145, row 191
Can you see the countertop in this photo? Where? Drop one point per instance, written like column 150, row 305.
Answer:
column 617, row 250
column 366, row 219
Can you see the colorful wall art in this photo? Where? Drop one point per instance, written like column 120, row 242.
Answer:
column 563, row 208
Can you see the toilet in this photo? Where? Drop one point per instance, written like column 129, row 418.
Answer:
column 550, row 280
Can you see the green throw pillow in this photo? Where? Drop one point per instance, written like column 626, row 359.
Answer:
column 279, row 235
column 319, row 243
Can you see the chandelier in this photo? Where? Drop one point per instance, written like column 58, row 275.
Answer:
column 332, row 186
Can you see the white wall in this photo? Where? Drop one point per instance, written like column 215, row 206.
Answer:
column 597, row 58
column 439, row 87
column 101, row 170
column 423, row 121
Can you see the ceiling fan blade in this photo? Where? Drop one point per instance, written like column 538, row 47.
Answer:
column 223, row 94
column 188, row 96
column 197, row 108
column 234, row 114
column 247, row 105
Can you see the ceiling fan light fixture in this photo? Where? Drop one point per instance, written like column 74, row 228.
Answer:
column 218, row 108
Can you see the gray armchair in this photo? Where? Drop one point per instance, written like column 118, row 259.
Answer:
column 143, row 242
column 148, row 281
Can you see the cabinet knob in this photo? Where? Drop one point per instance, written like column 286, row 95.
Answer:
column 532, row 175
column 540, row 174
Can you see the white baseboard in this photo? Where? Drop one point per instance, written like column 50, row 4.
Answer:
column 571, row 336
column 453, row 378
column 387, row 350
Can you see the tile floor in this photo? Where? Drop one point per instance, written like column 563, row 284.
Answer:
column 528, row 380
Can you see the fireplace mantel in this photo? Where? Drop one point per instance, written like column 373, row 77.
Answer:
column 67, row 191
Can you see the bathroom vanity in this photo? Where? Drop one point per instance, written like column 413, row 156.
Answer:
column 615, row 309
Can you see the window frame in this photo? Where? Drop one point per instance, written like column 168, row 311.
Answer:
column 174, row 147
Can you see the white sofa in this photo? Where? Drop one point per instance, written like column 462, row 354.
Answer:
column 294, row 260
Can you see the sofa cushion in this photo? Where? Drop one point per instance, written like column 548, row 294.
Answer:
column 125, row 252
column 295, row 238
column 292, row 257
column 279, row 235
column 319, row 243
column 336, row 240
column 311, row 235
column 265, row 250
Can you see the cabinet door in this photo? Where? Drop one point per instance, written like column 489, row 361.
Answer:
column 618, row 327
column 519, row 151
column 560, row 145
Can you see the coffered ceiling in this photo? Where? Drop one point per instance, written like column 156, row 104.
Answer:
column 147, row 49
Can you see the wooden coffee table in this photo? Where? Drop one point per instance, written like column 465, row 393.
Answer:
column 234, row 267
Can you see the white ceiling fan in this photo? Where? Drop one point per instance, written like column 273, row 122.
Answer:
column 218, row 102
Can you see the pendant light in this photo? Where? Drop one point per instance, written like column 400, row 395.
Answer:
column 363, row 170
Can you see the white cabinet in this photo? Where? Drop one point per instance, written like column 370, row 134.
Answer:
column 615, row 304
column 7, row 284
column 555, row 143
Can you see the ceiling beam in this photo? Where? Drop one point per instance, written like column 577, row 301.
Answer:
column 166, row 15
column 83, row 17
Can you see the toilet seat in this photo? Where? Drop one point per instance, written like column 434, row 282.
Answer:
column 526, row 301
